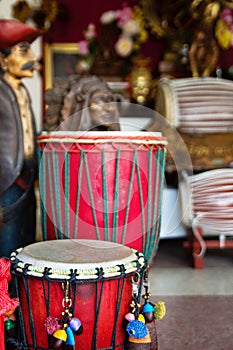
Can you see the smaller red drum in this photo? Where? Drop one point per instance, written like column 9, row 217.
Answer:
column 91, row 279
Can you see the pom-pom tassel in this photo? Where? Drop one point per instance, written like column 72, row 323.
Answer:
column 160, row 310
column 139, row 336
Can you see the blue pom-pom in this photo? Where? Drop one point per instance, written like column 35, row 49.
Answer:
column 137, row 329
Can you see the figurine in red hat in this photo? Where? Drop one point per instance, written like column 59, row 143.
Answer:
column 17, row 137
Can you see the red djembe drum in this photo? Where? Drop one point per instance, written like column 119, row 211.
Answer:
column 104, row 186
column 74, row 293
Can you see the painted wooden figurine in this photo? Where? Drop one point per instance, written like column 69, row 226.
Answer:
column 17, row 137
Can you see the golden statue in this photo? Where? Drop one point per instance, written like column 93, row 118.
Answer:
column 204, row 51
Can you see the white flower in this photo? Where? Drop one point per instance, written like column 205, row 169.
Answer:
column 108, row 17
column 131, row 28
column 124, row 46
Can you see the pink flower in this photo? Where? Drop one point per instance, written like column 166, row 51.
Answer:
column 83, row 47
column 227, row 16
column 90, row 32
column 124, row 15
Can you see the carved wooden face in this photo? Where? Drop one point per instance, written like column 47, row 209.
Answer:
column 102, row 108
column 20, row 63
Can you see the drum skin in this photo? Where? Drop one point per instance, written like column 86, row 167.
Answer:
column 100, row 303
column 103, row 186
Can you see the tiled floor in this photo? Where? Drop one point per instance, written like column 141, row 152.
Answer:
column 171, row 273
column 198, row 302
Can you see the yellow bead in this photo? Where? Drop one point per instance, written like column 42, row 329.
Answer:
column 141, row 318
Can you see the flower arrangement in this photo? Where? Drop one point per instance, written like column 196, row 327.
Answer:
column 130, row 31
column 86, row 48
column 130, row 22
column 224, row 29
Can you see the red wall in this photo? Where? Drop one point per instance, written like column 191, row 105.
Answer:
column 75, row 15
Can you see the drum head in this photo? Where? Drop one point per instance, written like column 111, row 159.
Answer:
column 85, row 256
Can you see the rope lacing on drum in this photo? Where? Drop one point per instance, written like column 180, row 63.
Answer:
column 17, row 344
column 100, row 273
column 97, row 311
column 73, row 275
column 120, row 292
column 122, row 269
column 26, row 268
column 47, row 272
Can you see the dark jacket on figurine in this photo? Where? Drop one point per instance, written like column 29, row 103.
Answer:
column 11, row 139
